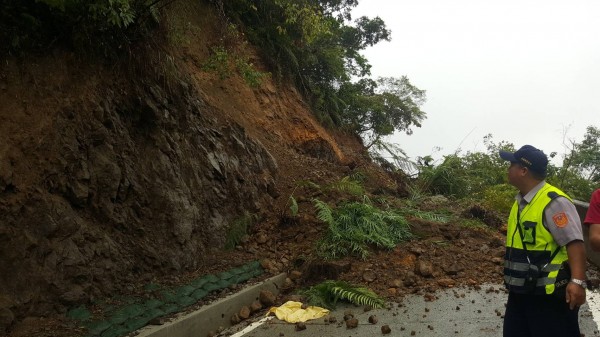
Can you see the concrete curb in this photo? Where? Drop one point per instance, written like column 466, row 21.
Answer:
column 209, row 318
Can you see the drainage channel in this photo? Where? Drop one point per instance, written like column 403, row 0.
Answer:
column 214, row 316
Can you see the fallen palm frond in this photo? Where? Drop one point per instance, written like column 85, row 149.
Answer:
column 328, row 293
column 430, row 216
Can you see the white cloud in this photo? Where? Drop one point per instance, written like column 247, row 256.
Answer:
column 524, row 71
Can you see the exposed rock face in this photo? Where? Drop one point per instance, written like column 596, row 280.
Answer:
column 118, row 178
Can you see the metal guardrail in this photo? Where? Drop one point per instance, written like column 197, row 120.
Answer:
column 592, row 256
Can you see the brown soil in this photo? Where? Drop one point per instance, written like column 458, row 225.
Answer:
column 113, row 176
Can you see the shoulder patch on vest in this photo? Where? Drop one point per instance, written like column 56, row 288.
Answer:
column 552, row 194
column 560, row 219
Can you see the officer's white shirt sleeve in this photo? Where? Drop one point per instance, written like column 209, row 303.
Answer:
column 562, row 220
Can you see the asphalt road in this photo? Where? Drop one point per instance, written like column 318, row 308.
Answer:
column 455, row 312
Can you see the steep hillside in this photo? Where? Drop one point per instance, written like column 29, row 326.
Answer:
column 114, row 175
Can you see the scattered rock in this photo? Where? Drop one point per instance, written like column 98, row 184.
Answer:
column 351, row 323
column 267, row 298
column 385, row 329
column 300, row 326
column 395, row 283
column 255, row 306
column 267, row 264
column 424, row 268
column 244, row 312
column 446, row 282
column 157, row 321
column 373, row 319
column 235, row 319
column 369, row 276
column 295, row 275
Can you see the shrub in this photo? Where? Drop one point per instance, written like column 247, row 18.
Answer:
column 355, row 226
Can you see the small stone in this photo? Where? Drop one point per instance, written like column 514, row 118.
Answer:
column 244, row 312
column 446, row 282
column 235, row 319
column 369, row 276
column 332, row 319
column 267, row 298
column 351, row 323
column 373, row 319
column 288, row 283
column 295, row 275
column 300, row 326
column 255, row 306
column 395, row 283
column 157, row 321
column 385, row 329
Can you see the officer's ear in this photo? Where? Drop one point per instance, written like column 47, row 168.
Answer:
column 524, row 170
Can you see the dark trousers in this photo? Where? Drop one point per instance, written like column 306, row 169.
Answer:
column 539, row 316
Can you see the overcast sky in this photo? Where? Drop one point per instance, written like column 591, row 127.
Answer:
column 526, row 71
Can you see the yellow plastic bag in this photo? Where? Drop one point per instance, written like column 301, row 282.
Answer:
column 292, row 312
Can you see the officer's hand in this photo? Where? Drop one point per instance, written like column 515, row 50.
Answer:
column 575, row 295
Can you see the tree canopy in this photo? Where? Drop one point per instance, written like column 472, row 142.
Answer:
column 318, row 45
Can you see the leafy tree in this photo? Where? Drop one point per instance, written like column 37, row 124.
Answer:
column 585, row 156
column 317, row 44
column 468, row 175
column 375, row 109
column 580, row 172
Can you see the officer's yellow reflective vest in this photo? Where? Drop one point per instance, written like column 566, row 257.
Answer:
column 533, row 259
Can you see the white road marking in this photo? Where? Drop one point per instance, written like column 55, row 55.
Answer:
column 593, row 302
column 251, row 327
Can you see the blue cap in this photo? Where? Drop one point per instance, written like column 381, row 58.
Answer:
column 528, row 156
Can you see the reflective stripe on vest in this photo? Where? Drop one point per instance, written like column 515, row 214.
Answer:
column 539, row 243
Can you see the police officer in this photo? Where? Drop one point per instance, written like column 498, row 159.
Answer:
column 544, row 268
